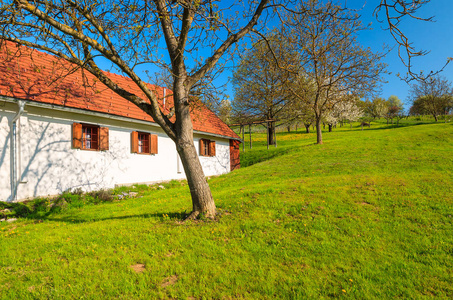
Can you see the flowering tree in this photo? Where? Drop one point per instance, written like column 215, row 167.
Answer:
column 343, row 112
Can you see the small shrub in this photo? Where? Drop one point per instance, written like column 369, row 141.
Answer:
column 21, row 210
column 59, row 204
column 103, row 195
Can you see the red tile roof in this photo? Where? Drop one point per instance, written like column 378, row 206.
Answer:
column 36, row 76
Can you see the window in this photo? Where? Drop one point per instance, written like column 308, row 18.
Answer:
column 90, row 137
column 143, row 143
column 207, row 147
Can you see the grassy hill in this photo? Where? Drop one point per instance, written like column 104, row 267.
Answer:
column 369, row 214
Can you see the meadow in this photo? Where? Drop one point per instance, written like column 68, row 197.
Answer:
column 366, row 215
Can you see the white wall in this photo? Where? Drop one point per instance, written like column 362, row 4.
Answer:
column 5, row 179
column 49, row 165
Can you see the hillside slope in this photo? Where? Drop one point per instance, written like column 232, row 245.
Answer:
column 369, row 214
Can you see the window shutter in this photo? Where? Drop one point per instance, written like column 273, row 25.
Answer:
column 76, row 135
column 201, row 146
column 153, row 147
column 103, row 138
column 134, row 142
column 211, row 148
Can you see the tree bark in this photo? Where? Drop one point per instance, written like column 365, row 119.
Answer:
column 330, row 127
column 307, row 127
column 318, row 132
column 202, row 200
column 271, row 130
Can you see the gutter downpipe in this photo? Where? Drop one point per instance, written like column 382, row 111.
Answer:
column 15, row 150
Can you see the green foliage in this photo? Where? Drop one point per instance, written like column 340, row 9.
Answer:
column 367, row 215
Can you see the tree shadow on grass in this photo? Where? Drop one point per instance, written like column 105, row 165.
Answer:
column 257, row 156
column 172, row 216
column 48, row 209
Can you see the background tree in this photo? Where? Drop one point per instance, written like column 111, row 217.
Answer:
column 225, row 111
column 304, row 113
column 259, row 84
column 432, row 96
column 333, row 67
column 348, row 112
column 395, row 107
column 128, row 34
column 343, row 112
column 376, row 108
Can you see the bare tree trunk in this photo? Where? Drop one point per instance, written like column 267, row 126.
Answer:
column 318, row 132
column 202, row 200
column 307, row 127
column 330, row 127
column 271, row 131
column 435, row 117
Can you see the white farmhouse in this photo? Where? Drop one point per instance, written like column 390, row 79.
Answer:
column 60, row 128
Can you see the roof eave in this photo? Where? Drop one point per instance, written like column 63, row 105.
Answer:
column 101, row 114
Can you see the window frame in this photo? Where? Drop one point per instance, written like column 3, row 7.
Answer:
column 207, row 148
column 150, row 146
column 98, row 139
column 92, row 141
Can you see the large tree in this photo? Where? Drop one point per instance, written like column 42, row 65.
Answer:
column 172, row 35
column 432, row 96
column 333, row 67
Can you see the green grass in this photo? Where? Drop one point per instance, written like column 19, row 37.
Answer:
column 368, row 214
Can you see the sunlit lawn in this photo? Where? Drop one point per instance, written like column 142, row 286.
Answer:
column 368, row 214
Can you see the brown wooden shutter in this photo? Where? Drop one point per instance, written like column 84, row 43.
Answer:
column 235, row 162
column 211, row 148
column 153, row 147
column 76, row 135
column 103, row 138
column 134, row 142
column 201, row 147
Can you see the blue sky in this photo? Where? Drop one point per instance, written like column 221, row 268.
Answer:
column 435, row 37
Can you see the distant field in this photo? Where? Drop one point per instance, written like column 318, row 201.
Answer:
column 369, row 214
